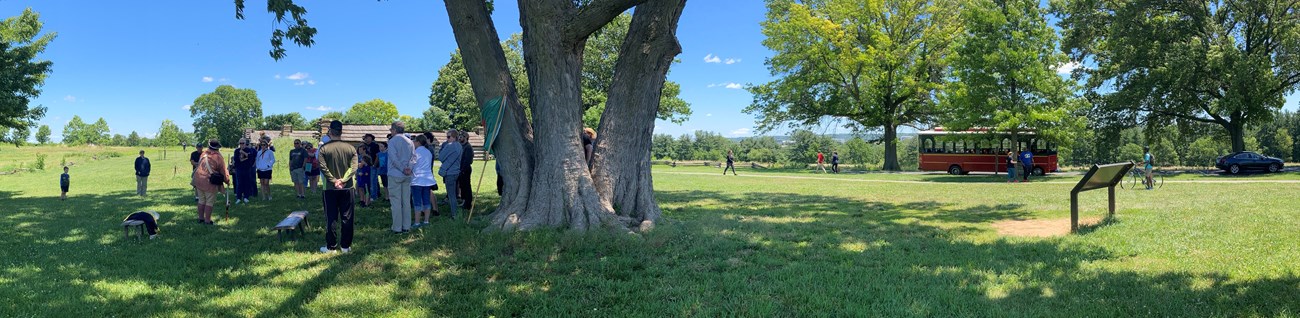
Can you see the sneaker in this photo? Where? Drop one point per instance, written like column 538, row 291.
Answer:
column 152, row 236
column 326, row 250
column 347, row 249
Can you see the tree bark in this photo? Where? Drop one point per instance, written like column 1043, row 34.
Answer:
column 485, row 63
column 891, row 147
column 1237, row 132
column 621, row 168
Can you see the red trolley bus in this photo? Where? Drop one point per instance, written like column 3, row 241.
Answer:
column 979, row 150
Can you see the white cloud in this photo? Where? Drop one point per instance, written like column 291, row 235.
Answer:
column 70, row 98
column 734, row 86
column 1067, row 68
column 300, row 83
column 277, row 76
column 207, row 79
column 186, row 107
column 321, row 108
column 311, row 82
column 714, row 85
column 298, row 76
column 732, row 61
column 712, row 59
column 740, row 132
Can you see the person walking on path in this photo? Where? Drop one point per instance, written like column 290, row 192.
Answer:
column 265, row 165
column 731, row 164
column 244, row 160
column 1147, row 161
column 194, row 165
column 401, row 165
column 1011, row 166
column 142, row 168
column 64, row 182
column 835, row 161
column 821, row 161
column 210, row 163
column 466, row 170
column 1027, row 163
column 338, row 165
column 450, row 155
column 297, row 159
column 422, row 183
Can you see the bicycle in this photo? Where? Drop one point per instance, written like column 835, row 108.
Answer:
column 1138, row 176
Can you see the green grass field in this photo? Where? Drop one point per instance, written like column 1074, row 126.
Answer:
column 785, row 243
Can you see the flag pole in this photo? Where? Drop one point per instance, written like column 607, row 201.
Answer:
column 487, row 151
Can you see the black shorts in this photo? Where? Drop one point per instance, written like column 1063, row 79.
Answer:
column 264, row 175
column 64, row 188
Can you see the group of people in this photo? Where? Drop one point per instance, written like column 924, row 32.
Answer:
column 1024, row 162
column 403, row 167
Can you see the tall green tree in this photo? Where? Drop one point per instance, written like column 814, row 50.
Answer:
column 1005, row 70
column 277, row 121
column 435, row 118
column 72, row 131
column 23, row 73
column 1227, row 63
column 169, row 134
column 876, row 64
column 18, row 136
column 225, row 112
column 371, row 112
column 133, row 139
column 96, row 133
column 43, row 134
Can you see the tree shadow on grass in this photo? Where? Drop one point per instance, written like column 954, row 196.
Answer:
column 845, row 257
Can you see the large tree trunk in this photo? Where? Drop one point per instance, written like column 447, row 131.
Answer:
column 1237, row 132
column 622, row 157
column 891, row 148
column 485, row 63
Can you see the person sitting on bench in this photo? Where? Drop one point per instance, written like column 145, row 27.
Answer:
column 150, row 219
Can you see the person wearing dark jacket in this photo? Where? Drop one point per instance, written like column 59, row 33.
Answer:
column 141, row 174
column 466, row 163
column 245, row 159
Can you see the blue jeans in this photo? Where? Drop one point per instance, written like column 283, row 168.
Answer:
column 450, row 181
column 374, row 186
column 1011, row 173
column 420, row 198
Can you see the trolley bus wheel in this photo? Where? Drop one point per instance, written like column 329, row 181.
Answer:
column 954, row 170
column 1038, row 171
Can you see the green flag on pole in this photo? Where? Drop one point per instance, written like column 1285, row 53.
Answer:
column 491, row 122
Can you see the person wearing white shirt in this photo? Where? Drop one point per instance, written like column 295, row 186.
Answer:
column 422, row 182
column 265, row 163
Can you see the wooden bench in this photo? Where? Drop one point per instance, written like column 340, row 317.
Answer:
column 296, row 220
column 126, row 228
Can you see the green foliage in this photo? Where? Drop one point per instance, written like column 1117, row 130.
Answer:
column 858, row 151
column 452, row 93
column 18, row 136
column 169, row 134
column 371, row 112
column 43, row 134
column 117, row 140
column 876, row 64
column 662, row 146
column 333, row 115
column 806, row 145
column 746, row 147
column 225, row 112
column 1005, row 73
column 277, row 121
column 710, row 146
column 40, row 162
column 23, row 73
column 133, row 139
column 1228, row 64
column 73, row 131
column 685, row 148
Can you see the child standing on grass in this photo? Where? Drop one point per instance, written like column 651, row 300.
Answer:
column 363, row 180
column 63, row 184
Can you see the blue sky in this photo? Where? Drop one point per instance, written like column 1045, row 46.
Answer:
column 135, row 63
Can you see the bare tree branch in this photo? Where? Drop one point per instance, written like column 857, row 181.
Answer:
column 594, row 15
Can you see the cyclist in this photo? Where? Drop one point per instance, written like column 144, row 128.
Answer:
column 1147, row 159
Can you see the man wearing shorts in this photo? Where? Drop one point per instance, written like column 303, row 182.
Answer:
column 265, row 165
column 297, row 157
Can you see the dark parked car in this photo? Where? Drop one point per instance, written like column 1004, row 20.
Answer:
column 1238, row 162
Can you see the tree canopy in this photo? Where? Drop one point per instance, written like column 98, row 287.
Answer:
column 23, row 72
column 1225, row 63
column 277, row 121
column 877, row 64
column 43, row 134
column 1005, row 72
column 225, row 112
column 371, row 112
